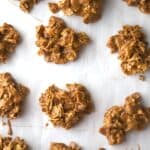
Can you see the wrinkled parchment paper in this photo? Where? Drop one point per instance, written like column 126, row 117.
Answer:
column 96, row 68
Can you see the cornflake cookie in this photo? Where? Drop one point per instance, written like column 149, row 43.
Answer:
column 9, row 39
column 66, row 108
column 132, row 48
column 119, row 120
column 12, row 95
column 59, row 43
column 143, row 5
column 62, row 146
column 89, row 10
column 27, row 5
column 7, row 143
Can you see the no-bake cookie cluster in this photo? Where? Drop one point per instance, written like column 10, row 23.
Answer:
column 119, row 120
column 58, row 43
column 132, row 48
column 89, row 10
column 7, row 143
column 9, row 39
column 66, row 107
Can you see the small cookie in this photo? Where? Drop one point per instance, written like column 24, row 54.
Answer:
column 7, row 143
column 132, row 48
column 66, row 108
column 62, row 146
column 89, row 10
column 58, row 43
column 12, row 95
column 9, row 39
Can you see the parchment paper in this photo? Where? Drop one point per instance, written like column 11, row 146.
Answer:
column 96, row 68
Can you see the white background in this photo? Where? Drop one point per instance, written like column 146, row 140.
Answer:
column 96, row 68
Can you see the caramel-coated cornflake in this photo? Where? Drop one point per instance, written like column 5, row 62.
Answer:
column 59, row 43
column 132, row 48
column 119, row 120
column 143, row 5
column 66, row 108
column 62, row 146
column 7, row 143
column 27, row 5
column 89, row 10
column 12, row 95
column 9, row 39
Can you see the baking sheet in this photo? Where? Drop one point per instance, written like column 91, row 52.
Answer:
column 96, row 68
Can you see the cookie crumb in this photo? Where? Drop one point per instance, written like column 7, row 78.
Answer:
column 58, row 43
column 66, row 108
column 119, row 120
column 47, row 124
column 89, row 10
column 132, row 48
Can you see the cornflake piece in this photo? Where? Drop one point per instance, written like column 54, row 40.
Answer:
column 66, row 108
column 89, row 10
column 119, row 120
column 12, row 95
column 132, row 48
column 59, row 43
column 143, row 5
column 27, row 5
column 7, row 143
column 62, row 146
column 9, row 38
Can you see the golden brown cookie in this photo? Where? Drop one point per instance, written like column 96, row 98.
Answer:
column 12, row 94
column 9, row 39
column 7, row 143
column 89, row 10
column 62, row 146
column 65, row 108
column 119, row 120
column 133, row 50
column 58, row 43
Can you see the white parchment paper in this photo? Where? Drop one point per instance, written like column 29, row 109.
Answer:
column 96, row 68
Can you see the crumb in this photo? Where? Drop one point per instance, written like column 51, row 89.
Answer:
column 46, row 125
column 66, row 108
column 143, row 5
column 89, row 10
column 7, row 143
column 53, row 7
column 62, row 146
column 10, row 131
column 142, row 78
column 9, row 39
column 119, row 120
column 58, row 43
column 132, row 48
column 12, row 95
column 27, row 5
